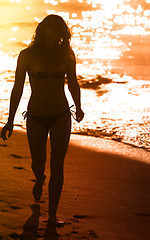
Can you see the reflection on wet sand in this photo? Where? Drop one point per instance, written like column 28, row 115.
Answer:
column 31, row 230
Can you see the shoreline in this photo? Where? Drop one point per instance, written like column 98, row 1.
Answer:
column 105, row 195
column 103, row 136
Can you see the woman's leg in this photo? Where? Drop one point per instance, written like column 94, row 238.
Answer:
column 59, row 137
column 37, row 138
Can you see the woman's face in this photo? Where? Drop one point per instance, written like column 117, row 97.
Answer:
column 51, row 39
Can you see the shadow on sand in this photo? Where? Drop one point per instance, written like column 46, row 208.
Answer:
column 31, row 230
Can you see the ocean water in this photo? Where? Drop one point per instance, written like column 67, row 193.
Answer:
column 111, row 43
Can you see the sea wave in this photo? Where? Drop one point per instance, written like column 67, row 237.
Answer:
column 115, row 107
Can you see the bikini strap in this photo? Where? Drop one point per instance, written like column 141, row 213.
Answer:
column 25, row 114
column 73, row 112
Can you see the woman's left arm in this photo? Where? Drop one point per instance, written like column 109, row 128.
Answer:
column 73, row 86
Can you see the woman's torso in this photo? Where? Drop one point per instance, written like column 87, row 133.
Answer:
column 47, row 87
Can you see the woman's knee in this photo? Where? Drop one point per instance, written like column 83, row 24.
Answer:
column 57, row 171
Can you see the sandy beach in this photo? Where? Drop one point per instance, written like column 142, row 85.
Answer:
column 106, row 193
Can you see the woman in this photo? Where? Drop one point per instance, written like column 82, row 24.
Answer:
column 47, row 60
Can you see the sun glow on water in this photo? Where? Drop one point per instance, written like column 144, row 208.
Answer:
column 7, row 62
column 14, row 29
column 28, row 8
column 99, row 30
column 37, row 19
column 103, row 33
column 53, row 2
column 12, row 39
column 15, row 1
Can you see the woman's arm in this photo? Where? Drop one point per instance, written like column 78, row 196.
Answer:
column 18, row 86
column 15, row 94
column 73, row 86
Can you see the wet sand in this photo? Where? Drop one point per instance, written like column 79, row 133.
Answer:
column 106, row 193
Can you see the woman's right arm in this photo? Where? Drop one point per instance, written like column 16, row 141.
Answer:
column 16, row 93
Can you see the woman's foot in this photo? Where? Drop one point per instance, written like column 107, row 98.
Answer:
column 37, row 189
column 56, row 223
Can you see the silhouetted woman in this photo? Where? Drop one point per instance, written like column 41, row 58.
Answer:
column 47, row 60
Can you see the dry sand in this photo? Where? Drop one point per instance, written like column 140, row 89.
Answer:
column 106, row 193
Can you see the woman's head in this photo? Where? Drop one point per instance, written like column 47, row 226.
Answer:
column 51, row 32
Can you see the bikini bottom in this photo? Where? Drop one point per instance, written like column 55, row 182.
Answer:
column 46, row 121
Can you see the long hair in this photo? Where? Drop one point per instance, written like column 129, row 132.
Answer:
column 52, row 22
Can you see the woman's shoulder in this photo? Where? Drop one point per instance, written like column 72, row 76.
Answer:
column 25, row 53
column 70, row 56
column 24, row 58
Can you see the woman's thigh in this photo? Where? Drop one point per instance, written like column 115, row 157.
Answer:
column 37, row 138
column 59, row 138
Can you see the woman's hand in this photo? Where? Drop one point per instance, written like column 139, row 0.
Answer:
column 7, row 128
column 79, row 114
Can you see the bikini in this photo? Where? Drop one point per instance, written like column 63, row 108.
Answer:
column 48, row 121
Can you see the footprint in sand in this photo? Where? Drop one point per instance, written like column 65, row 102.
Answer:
column 67, row 234
column 82, row 238
column 3, row 145
column 15, row 156
column 4, row 210
column 143, row 214
column 74, row 232
column 84, row 216
column 92, row 233
column 19, row 168
column 80, row 216
column 68, row 223
column 14, row 235
column 15, row 207
column 74, row 220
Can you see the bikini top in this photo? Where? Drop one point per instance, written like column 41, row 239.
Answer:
column 59, row 74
